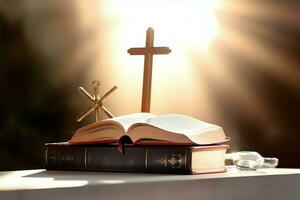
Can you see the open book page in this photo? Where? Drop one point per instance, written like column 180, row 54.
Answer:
column 127, row 120
column 196, row 131
column 180, row 124
column 109, row 129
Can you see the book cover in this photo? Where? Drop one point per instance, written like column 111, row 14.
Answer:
column 137, row 158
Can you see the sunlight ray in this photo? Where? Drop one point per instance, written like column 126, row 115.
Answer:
column 268, row 11
column 275, row 63
column 248, row 100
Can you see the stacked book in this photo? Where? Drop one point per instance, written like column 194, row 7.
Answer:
column 142, row 142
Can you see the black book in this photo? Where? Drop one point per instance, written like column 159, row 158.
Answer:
column 136, row 158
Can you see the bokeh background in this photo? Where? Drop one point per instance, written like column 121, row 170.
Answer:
column 233, row 63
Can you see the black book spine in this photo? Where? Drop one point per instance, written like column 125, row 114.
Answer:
column 150, row 159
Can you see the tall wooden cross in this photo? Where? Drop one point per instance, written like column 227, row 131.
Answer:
column 148, row 52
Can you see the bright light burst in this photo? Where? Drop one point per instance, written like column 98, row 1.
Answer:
column 187, row 22
column 189, row 28
column 184, row 26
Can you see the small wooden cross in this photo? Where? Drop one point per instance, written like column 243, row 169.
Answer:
column 148, row 52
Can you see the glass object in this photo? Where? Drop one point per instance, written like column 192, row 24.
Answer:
column 251, row 160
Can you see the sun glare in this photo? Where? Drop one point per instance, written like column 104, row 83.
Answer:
column 188, row 22
column 183, row 26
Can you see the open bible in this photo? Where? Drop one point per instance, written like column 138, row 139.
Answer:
column 148, row 129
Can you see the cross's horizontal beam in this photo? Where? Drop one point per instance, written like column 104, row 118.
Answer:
column 152, row 50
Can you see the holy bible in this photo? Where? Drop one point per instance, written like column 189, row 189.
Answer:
column 146, row 128
column 137, row 158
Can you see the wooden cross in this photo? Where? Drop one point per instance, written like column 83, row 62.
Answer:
column 148, row 52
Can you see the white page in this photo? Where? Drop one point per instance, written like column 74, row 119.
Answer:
column 128, row 120
column 181, row 124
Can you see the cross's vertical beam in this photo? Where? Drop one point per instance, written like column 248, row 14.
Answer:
column 147, row 80
column 96, row 98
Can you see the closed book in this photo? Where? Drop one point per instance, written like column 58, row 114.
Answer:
column 137, row 158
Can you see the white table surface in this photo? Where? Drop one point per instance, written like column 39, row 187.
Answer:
column 234, row 184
